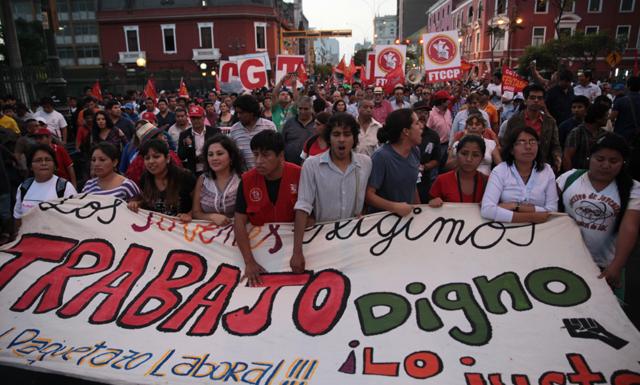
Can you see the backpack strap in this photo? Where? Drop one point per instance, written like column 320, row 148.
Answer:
column 61, row 187
column 572, row 178
column 24, row 187
column 309, row 143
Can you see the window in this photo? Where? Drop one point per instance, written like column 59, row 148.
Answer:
column 66, row 56
column 169, row 38
column 591, row 29
column 537, row 36
column 206, row 35
column 86, row 32
column 497, row 40
column 470, row 14
column 541, row 6
column 83, row 9
column 569, row 6
column 622, row 34
column 501, row 7
column 627, row 5
column 88, row 55
column 132, row 38
column 566, row 31
column 261, row 36
column 594, row 6
column 477, row 42
column 63, row 35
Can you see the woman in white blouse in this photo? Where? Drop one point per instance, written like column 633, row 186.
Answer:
column 522, row 188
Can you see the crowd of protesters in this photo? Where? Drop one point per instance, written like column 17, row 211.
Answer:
column 325, row 152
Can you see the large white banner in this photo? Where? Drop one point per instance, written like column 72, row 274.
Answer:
column 441, row 56
column 90, row 289
column 388, row 57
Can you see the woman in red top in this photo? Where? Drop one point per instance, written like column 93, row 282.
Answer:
column 316, row 144
column 465, row 184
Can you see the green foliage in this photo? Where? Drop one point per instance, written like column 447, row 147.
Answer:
column 323, row 70
column 578, row 48
column 31, row 42
column 360, row 57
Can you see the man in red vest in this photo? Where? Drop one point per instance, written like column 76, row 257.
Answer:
column 267, row 193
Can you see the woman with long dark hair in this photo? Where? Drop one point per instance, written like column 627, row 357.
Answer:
column 465, row 184
column 214, row 198
column 605, row 203
column 107, row 181
column 395, row 165
column 522, row 188
column 166, row 188
column 103, row 130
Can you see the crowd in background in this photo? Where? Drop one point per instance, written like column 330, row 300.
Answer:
column 326, row 151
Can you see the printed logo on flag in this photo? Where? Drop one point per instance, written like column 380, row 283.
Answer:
column 441, row 49
column 389, row 58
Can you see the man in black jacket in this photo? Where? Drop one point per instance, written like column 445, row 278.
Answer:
column 191, row 142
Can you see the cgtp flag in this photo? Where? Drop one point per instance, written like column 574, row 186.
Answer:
column 511, row 81
column 183, row 92
column 96, row 92
column 393, row 78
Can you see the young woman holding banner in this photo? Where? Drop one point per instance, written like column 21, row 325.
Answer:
column 605, row 203
column 522, row 188
column 465, row 184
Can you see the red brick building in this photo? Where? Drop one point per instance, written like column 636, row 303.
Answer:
column 531, row 22
column 179, row 35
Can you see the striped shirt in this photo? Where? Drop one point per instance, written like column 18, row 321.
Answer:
column 242, row 136
column 127, row 190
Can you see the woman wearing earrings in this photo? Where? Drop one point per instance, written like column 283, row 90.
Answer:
column 104, row 163
column 214, row 198
column 166, row 188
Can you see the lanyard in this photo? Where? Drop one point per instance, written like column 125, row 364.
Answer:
column 475, row 186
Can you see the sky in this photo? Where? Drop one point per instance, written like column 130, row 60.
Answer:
column 356, row 15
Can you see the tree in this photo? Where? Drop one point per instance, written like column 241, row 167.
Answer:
column 560, row 7
column 497, row 35
column 323, row 70
column 360, row 57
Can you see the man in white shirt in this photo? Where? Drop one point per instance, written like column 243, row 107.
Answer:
column 56, row 123
column 398, row 101
column 586, row 87
column 368, row 136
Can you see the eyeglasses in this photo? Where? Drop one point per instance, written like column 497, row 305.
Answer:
column 530, row 142
column 42, row 160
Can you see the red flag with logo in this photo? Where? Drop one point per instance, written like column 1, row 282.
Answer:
column 150, row 91
column 96, row 92
column 182, row 91
column 393, row 78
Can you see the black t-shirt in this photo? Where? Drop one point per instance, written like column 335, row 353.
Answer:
column 273, row 186
column 186, row 184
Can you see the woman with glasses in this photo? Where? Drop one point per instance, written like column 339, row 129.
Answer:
column 43, row 186
column 522, row 188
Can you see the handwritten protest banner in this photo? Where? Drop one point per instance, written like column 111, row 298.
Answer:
column 512, row 81
column 90, row 289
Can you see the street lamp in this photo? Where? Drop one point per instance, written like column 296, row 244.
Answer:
column 141, row 62
column 203, row 66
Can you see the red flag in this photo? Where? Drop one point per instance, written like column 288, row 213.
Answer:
column 150, row 91
column 96, row 92
column 301, row 71
column 350, row 71
column 341, row 67
column 511, row 81
column 183, row 92
column 393, row 77
column 465, row 66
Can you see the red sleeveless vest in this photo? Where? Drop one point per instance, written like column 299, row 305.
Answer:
column 259, row 207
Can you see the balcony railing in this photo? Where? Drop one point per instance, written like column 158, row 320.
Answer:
column 206, row 54
column 130, row 57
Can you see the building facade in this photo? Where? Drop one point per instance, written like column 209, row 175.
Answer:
column 181, row 35
column 327, row 51
column 526, row 23
column 411, row 16
column 385, row 29
column 77, row 39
